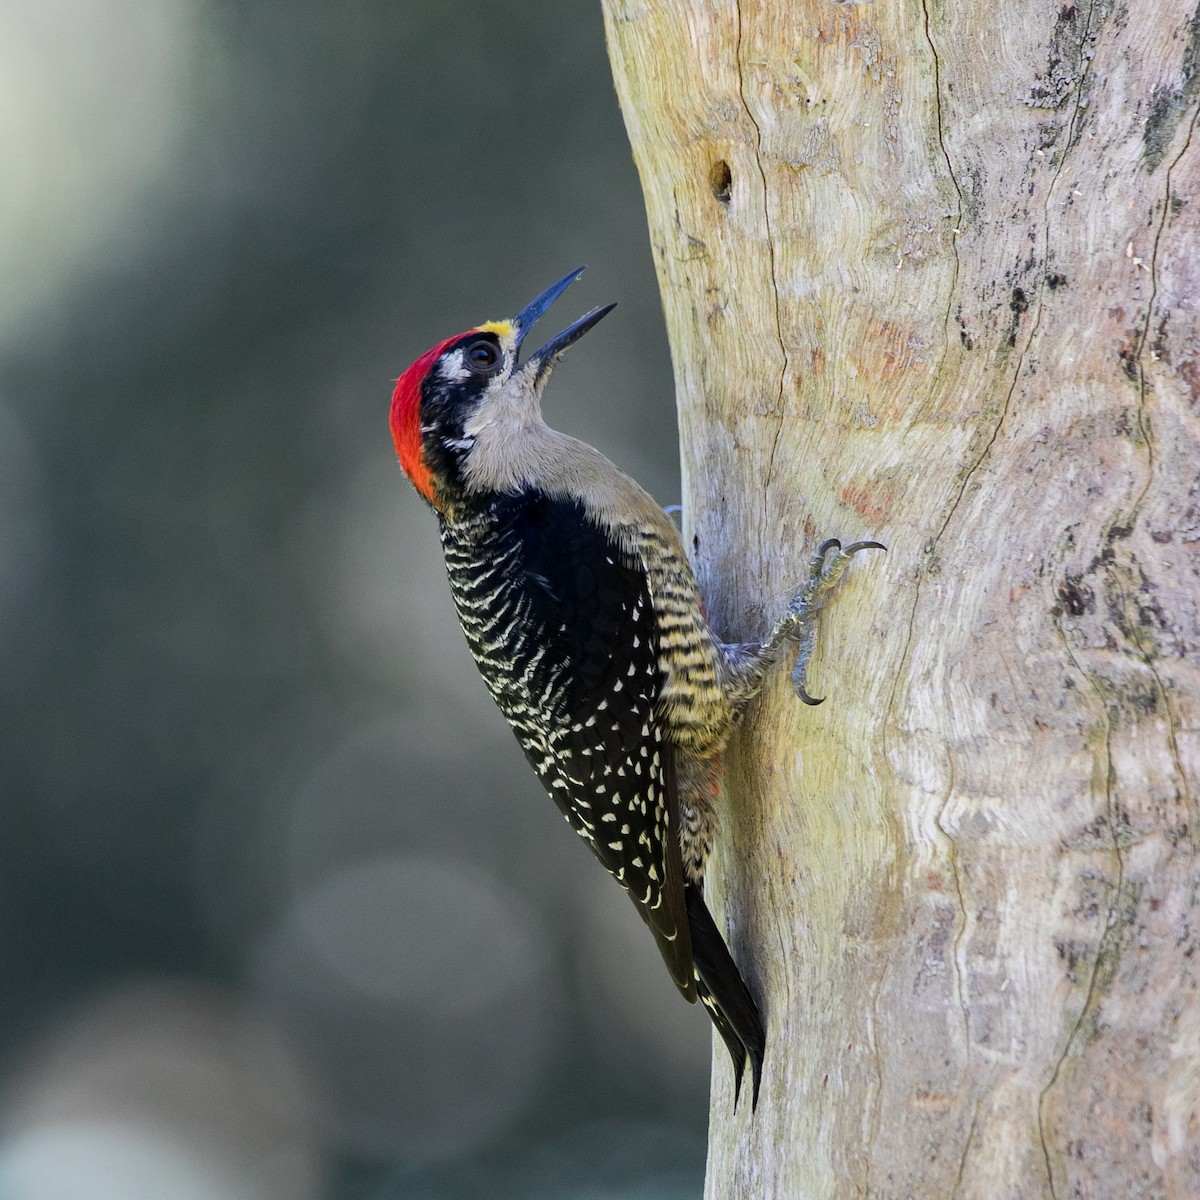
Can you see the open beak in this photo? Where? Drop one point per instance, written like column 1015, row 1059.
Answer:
column 541, row 360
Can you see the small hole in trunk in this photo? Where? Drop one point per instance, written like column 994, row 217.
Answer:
column 720, row 179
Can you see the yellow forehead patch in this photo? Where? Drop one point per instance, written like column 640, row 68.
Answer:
column 502, row 329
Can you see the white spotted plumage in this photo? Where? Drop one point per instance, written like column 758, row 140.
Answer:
column 585, row 620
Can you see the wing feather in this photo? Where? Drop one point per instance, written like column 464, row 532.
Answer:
column 562, row 627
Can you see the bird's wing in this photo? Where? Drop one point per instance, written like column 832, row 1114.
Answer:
column 590, row 681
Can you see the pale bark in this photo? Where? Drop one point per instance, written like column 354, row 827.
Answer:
column 930, row 275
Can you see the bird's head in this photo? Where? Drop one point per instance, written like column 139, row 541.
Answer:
column 471, row 398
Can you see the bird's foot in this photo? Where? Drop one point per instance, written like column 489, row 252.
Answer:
column 826, row 567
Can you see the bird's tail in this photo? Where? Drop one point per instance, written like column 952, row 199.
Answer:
column 724, row 994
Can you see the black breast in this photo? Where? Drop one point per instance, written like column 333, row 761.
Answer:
column 557, row 616
column 560, row 622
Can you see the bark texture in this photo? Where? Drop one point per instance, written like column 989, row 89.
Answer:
column 931, row 274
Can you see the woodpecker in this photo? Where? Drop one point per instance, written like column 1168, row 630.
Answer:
column 584, row 618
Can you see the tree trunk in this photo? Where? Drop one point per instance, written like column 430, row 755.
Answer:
column 931, row 275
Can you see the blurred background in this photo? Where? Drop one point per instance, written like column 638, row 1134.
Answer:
column 283, row 913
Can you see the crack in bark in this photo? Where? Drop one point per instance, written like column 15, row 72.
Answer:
column 737, row 53
column 1173, row 721
column 1104, row 948
column 962, row 1162
column 932, row 543
column 937, row 98
column 959, row 969
column 876, row 1103
column 1085, row 64
column 1145, row 429
column 959, row 974
column 1108, row 948
column 972, row 470
column 1173, row 729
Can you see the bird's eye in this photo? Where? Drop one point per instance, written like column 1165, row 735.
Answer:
column 483, row 357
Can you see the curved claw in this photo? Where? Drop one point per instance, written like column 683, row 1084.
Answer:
column 827, row 564
column 799, row 682
column 816, row 562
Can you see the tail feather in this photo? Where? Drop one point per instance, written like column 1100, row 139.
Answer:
column 725, row 996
